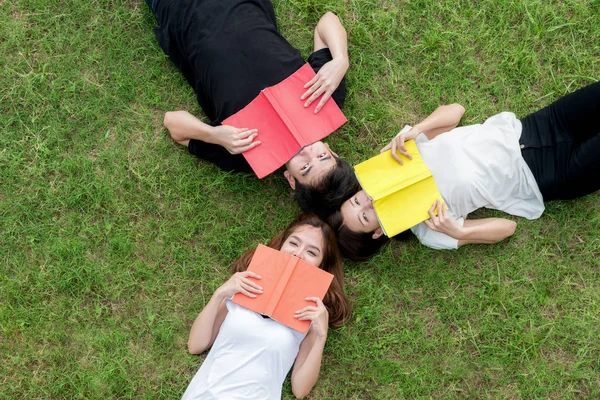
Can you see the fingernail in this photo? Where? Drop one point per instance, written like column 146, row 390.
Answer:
column 306, row 104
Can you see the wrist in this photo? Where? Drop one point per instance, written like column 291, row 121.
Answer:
column 220, row 295
column 210, row 135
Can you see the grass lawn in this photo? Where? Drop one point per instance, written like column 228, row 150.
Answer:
column 112, row 237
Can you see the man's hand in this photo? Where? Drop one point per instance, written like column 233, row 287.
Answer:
column 325, row 82
column 235, row 140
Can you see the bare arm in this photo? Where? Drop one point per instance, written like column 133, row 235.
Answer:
column 443, row 119
column 328, row 33
column 207, row 324
column 484, row 231
column 308, row 361
column 183, row 127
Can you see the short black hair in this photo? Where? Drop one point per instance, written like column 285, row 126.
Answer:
column 326, row 196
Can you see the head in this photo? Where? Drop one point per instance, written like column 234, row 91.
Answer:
column 308, row 237
column 357, row 228
column 325, row 193
column 310, row 164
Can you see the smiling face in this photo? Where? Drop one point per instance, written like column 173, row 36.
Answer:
column 305, row 242
column 359, row 215
column 309, row 164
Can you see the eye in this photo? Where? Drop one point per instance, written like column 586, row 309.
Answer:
column 356, row 201
column 293, row 244
column 365, row 217
column 304, row 167
column 322, row 155
column 312, row 253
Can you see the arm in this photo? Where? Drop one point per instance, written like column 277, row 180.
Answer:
column 443, row 119
column 484, row 231
column 308, row 361
column 183, row 126
column 331, row 34
column 206, row 326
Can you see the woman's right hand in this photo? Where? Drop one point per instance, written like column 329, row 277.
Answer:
column 397, row 144
column 235, row 140
column 239, row 283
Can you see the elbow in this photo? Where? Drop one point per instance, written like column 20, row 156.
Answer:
column 511, row 228
column 331, row 16
column 299, row 393
column 168, row 119
column 458, row 109
column 196, row 348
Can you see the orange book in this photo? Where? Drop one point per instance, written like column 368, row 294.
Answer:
column 284, row 124
column 286, row 281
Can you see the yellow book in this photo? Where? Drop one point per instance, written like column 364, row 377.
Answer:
column 402, row 194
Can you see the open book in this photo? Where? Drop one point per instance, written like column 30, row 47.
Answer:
column 402, row 194
column 286, row 281
column 284, row 124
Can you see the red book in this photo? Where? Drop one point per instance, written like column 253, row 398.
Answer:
column 284, row 124
column 286, row 281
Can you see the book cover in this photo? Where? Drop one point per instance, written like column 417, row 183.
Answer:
column 402, row 194
column 284, row 124
column 286, row 281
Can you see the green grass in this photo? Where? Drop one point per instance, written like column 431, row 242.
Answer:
column 112, row 237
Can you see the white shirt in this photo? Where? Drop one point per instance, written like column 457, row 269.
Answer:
column 479, row 166
column 249, row 360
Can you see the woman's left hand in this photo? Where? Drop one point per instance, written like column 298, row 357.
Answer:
column 317, row 315
column 325, row 82
column 442, row 222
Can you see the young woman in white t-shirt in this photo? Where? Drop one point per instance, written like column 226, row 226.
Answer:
column 251, row 355
column 504, row 164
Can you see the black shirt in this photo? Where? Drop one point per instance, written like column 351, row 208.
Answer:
column 229, row 50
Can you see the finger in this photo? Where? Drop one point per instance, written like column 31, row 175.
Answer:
column 315, row 299
column 244, row 133
column 394, row 154
column 310, row 90
column 247, row 293
column 251, row 274
column 310, row 83
column 307, row 308
column 404, row 151
column 429, row 224
column 251, row 283
column 248, row 147
column 314, row 96
column 245, row 141
column 442, row 210
column 249, row 288
column 324, row 99
column 431, row 211
column 386, row 148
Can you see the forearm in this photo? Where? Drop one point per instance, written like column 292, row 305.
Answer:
column 203, row 330
column 443, row 119
column 486, row 231
column 184, row 126
column 305, row 375
column 333, row 35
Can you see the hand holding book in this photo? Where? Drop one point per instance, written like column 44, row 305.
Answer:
column 397, row 143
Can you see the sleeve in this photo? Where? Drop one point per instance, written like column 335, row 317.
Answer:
column 316, row 61
column 436, row 240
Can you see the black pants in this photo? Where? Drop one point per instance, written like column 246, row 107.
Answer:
column 561, row 145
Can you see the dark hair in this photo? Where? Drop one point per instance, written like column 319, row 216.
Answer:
column 327, row 195
column 355, row 246
column 335, row 300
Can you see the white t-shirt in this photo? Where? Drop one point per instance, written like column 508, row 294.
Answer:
column 249, row 360
column 479, row 166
